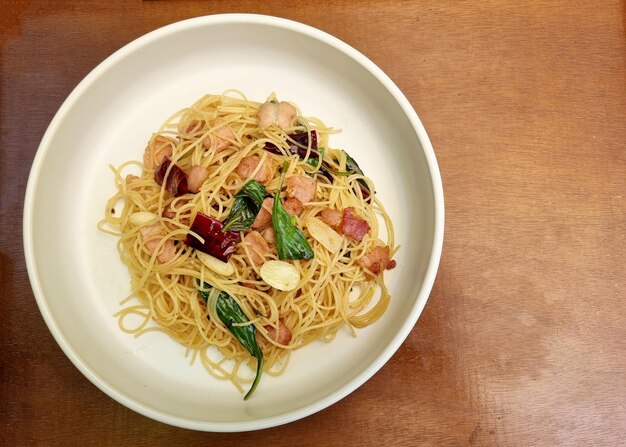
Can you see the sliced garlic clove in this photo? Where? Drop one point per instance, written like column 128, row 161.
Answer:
column 214, row 264
column 280, row 275
column 142, row 218
column 322, row 233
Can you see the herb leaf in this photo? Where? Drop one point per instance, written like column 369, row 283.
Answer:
column 316, row 156
column 247, row 205
column 229, row 312
column 315, row 161
column 351, row 165
column 290, row 241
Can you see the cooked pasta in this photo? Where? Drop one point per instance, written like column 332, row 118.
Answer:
column 212, row 164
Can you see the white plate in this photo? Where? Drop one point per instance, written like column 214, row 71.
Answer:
column 75, row 271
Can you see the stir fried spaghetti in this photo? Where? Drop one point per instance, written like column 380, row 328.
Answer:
column 246, row 236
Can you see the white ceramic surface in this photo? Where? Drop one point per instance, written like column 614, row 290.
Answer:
column 74, row 269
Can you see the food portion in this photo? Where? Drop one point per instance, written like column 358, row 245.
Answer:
column 246, row 236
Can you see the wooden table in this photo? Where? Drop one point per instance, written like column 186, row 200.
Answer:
column 523, row 339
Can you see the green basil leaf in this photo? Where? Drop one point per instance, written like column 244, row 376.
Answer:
column 315, row 161
column 352, row 166
column 246, row 206
column 230, row 313
column 290, row 241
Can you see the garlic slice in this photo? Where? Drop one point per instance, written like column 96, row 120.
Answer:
column 141, row 218
column 322, row 233
column 212, row 263
column 280, row 275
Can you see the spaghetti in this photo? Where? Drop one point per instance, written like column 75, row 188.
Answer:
column 197, row 164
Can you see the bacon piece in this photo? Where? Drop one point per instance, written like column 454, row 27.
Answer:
column 293, row 206
column 194, row 126
column 130, row 179
column 352, row 226
column 280, row 114
column 170, row 212
column 281, row 336
column 168, row 252
column 248, row 164
column 376, row 260
column 151, row 232
column 157, row 149
column 197, row 176
column 264, row 218
column 152, row 236
column 221, row 138
column 301, row 188
column 257, row 247
column 332, row 217
column 269, row 236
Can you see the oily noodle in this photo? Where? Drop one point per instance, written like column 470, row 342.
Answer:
column 334, row 290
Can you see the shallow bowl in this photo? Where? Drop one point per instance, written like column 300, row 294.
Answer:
column 78, row 279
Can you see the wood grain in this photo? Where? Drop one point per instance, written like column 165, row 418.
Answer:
column 523, row 339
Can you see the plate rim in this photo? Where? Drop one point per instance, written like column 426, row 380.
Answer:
column 345, row 389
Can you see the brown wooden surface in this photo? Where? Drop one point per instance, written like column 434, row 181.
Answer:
column 523, row 339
